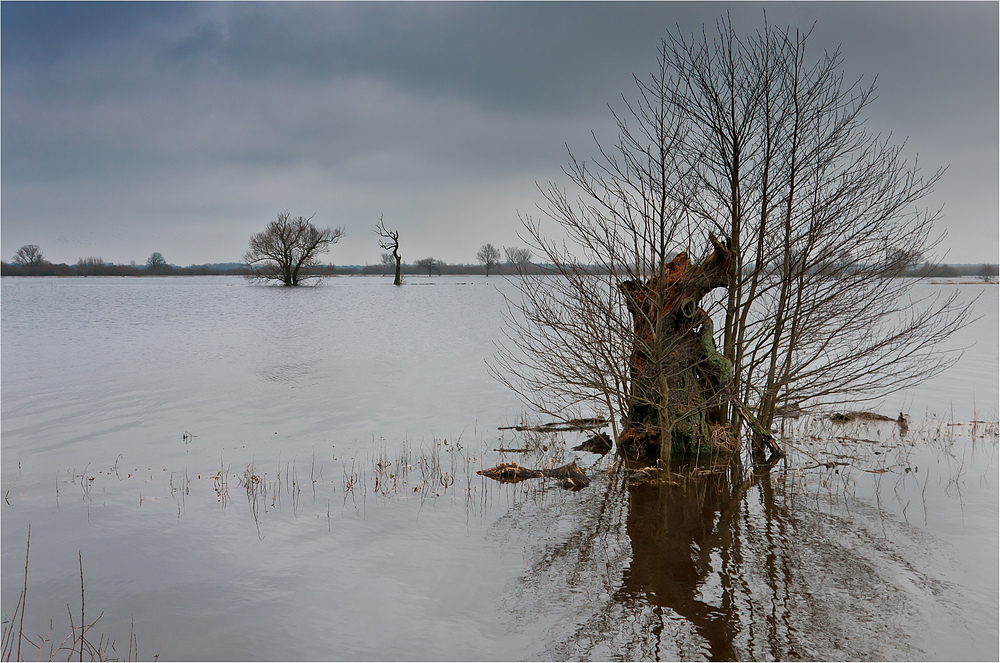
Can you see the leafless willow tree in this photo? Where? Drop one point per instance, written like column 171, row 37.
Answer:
column 517, row 256
column 30, row 256
column 388, row 263
column 288, row 248
column 389, row 241
column 156, row 261
column 430, row 264
column 489, row 255
column 749, row 139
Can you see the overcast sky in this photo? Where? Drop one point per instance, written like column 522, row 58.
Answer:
column 184, row 128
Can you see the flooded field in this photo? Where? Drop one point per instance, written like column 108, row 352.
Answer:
column 259, row 473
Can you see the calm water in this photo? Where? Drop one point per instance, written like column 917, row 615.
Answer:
column 268, row 473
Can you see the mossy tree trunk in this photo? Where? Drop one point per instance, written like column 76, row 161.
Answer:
column 678, row 379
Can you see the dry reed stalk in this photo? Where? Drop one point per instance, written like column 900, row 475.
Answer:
column 8, row 638
column 24, row 593
column 78, row 644
column 82, row 603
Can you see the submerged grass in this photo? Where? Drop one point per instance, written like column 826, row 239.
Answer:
column 79, row 644
column 823, row 453
column 827, row 460
column 440, row 468
column 890, row 462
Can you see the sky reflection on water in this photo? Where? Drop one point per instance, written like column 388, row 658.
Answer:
column 366, row 410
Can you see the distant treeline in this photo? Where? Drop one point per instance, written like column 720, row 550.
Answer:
column 91, row 267
column 442, row 268
column 950, row 271
column 923, row 271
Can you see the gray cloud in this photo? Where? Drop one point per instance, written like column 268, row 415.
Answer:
column 182, row 128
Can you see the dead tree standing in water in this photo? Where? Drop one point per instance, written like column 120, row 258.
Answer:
column 745, row 138
column 390, row 242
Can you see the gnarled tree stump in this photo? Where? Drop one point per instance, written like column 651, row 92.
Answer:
column 678, row 379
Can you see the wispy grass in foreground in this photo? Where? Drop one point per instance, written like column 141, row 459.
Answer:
column 79, row 644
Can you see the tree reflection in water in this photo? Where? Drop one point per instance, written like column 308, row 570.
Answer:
column 674, row 532
column 712, row 565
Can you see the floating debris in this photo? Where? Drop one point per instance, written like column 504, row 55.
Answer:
column 572, row 476
column 844, row 417
column 594, row 423
column 598, row 444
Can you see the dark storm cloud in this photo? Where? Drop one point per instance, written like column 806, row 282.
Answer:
column 503, row 55
column 129, row 128
column 50, row 31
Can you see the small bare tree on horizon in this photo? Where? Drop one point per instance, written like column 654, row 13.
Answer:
column 489, row 255
column 517, row 256
column 29, row 256
column 430, row 264
column 389, row 241
column 155, row 261
column 288, row 248
column 388, row 263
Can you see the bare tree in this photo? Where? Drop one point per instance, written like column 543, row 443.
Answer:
column 778, row 145
column 90, row 266
column 155, row 261
column 30, row 256
column 987, row 272
column 389, row 241
column 288, row 248
column 517, row 256
column 430, row 264
column 489, row 255
column 388, row 263
column 739, row 137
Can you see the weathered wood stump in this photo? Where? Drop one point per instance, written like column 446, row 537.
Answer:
column 679, row 380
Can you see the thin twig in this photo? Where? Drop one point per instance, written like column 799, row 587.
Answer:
column 82, row 620
column 24, row 595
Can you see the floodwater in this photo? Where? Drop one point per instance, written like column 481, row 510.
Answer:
column 262, row 473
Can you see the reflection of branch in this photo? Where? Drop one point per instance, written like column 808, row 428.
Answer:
column 254, row 484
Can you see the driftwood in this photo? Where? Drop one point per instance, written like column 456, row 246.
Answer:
column 844, row 417
column 561, row 426
column 598, row 444
column 572, row 476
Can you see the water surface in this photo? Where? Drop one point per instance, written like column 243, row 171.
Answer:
column 134, row 411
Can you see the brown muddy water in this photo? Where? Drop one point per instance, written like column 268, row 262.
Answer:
column 253, row 473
